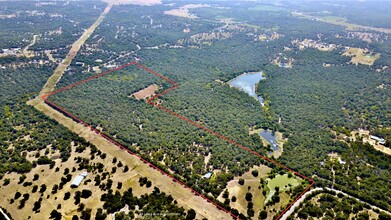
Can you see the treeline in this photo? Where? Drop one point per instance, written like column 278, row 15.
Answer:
column 155, row 205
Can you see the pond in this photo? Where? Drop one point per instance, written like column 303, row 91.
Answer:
column 271, row 138
column 247, row 82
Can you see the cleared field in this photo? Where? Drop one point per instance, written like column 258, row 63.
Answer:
column 342, row 22
column 361, row 56
column 146, row 92
column 283, row 182
column 184, row 10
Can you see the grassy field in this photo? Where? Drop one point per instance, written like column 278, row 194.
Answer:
column 281, row 181
column 361, row 56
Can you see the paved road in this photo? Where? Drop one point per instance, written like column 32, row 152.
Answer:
column 299, row 201
column 345, row 194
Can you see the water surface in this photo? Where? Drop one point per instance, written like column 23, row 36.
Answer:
column 271, row 138
column 246, row 82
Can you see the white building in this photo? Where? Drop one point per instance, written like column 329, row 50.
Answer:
column 379, row 140
column 76, row 182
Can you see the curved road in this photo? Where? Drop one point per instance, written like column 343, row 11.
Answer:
column 305, row 195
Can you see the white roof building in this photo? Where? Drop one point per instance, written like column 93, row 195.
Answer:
column 380, row 140
column 76, row 182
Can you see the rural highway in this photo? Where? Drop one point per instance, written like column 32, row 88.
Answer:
column 299, row 201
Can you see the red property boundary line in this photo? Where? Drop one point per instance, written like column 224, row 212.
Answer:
column 151, row 102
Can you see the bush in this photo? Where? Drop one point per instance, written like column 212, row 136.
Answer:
column 241, row 181
column 6, row 182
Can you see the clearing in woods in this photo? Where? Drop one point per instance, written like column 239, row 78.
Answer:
column 146, row 92
column 361, row 56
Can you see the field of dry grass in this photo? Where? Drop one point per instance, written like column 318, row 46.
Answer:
column 239, row 191
column 51, row 177
column 184, row 10
column 146, row 92
column 342, row 22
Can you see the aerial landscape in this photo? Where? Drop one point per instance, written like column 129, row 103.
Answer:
column 196, row 109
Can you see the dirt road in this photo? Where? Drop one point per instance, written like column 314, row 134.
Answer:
column 59, row 71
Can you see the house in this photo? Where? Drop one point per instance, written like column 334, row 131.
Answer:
column 76, row 182
column 379, row 140
column 207, row 175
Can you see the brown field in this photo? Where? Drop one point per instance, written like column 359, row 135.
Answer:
column 50, row 177
column 184, row 10
column 146, row 92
